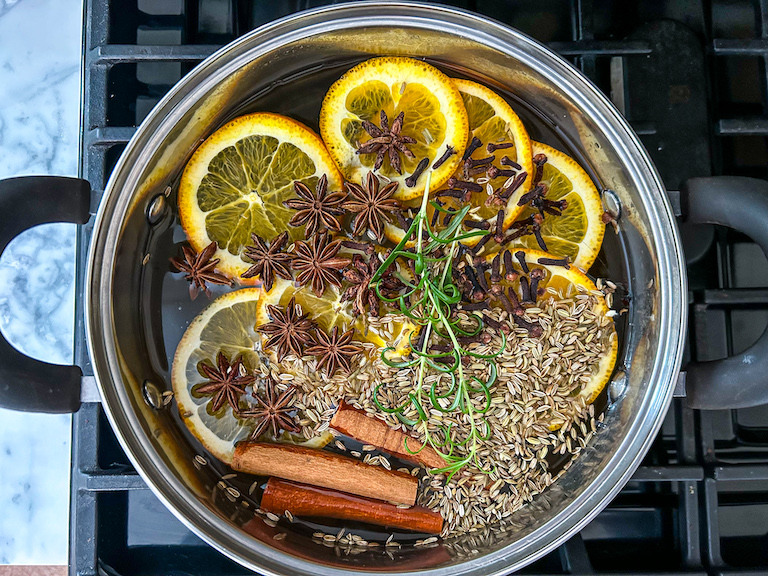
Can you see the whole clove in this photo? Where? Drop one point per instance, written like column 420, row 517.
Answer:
column 466, row 340
column 537, row 192
column 492, row 322
column 515, row 235
column 534, row 330
column 499, row 236
column 552, row 207
column 449, row 151
column 472, row 162
column 507, row 161
column 449, row 359
column 564, row 262
column 525, row 290
column 538, row 161
column 478, row 224
column 537, row 275
column 496, row 269
column 522, row 223
column 440, row 348
column 507, row 305
column 480, row 275
column 483, row 241
column 494, row 172
column 402, row 221
column 471, row 147
column 436, row 213
column 420, row 167
column 477, row 291
column 464, row 185
column 509, row 269
column 520, row 255
column 420, row 339
column 473, row 306
column 474, row 171
column 491, row 147
column 515, row 302
column 513, row 186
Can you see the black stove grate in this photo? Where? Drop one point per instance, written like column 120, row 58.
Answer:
column 692, row 78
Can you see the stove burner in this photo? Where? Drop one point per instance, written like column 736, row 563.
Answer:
column 691, row 80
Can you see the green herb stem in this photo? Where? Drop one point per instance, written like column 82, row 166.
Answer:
column 433, row 295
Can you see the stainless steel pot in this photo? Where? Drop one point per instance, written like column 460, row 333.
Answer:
column 123, row 292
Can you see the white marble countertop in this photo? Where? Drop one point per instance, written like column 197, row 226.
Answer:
column 40, row 44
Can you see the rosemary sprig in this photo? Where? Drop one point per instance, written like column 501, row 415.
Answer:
column 430, row 303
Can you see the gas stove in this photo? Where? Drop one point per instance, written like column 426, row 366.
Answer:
column 699, row 502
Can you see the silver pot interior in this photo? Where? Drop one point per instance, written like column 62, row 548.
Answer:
column 138, row 312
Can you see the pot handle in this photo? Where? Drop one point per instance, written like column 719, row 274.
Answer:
column 741, row 203
column 25, row 383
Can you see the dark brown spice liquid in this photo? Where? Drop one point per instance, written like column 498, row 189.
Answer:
column 167, row 309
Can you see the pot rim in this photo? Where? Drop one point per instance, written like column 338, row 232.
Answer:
column 210, row 73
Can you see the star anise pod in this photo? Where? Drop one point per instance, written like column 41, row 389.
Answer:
column 360, row 291
column 387, row 141
column 273, row 410
column 316, row 210
column 334, row 351
column 268, row 261
column 372, row 204
column 317, row 262
column 226, row 383
column 288, row 331
column 200, row 269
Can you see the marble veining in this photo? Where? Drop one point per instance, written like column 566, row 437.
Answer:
column 40, row 44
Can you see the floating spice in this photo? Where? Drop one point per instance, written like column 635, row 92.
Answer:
column 226, row 383
column 333, row 350
column 200, row 269
column 420, row 167
column 272, row 411
column 313, row 501
column 449, row 151
column 359, row 275
column 317, row 210
column 288, row 330
column 326, row 469
column 268, row 260
column 317, row 262
column 371, row 204
column 386, row 141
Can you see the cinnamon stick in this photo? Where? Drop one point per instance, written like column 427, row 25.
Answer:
column 326, row 469
column 354, row 423
column 312, row 501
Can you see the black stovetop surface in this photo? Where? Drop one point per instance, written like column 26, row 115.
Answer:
column 699, row 502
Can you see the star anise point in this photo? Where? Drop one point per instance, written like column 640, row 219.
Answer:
column 372, row 203
column 288, row 330
column 317, row 262
column 226, row 382
column 387, row 142
column 273, row 410
column 200, row 269
column 333, row 350
column 268, row 260
column 316, row 210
